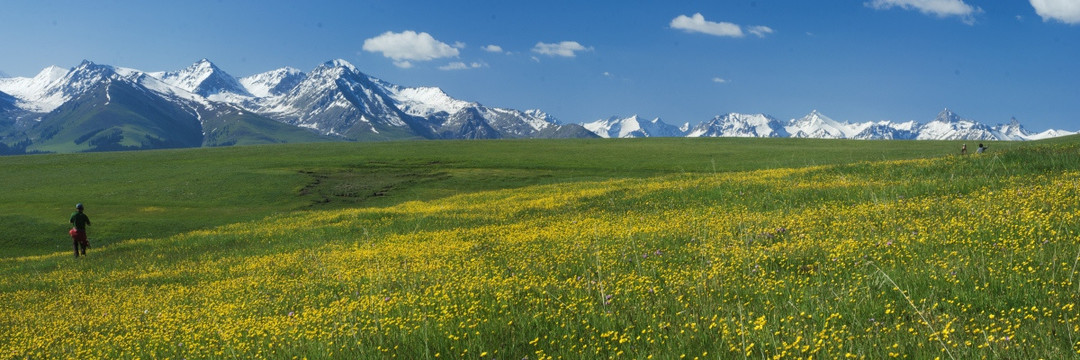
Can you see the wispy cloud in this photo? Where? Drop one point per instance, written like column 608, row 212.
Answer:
column 563, row 49
column 1066, row 11
column 697, row 24
column 408, row 46
column 719, row 80
column 493, row 48
column 760, row 31
column 939, row 8
column 463, row 66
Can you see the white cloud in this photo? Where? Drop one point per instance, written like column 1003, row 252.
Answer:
column 760, row 31
column 408, row 46
column 493, row 48
column 719, row 80
column 697, row 23
column 459, row 45
column 457, row 65
column 939, row 8
column 564, row 49
column 1066, row 11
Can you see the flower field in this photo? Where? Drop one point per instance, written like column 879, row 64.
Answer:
column 952, row 258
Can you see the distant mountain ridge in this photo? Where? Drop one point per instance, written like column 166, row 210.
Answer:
column 634, row 126
column 94, row 107
column 946, row 126
column 98, row 108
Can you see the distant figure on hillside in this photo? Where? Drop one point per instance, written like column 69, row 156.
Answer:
column 79, row 221
column 963, row 150
column 980, row 149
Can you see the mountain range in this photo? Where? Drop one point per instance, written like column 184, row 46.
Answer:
column 94, row 107
column 946, row 126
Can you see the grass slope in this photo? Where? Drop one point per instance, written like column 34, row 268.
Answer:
column 569, row 248
column 165, row 192
column 115, row 117
column 234, row 127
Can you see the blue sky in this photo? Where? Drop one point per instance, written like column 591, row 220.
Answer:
column 684, row 61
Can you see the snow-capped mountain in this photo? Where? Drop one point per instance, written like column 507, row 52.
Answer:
column 425, row 101
column 950, row 126
column 334, row 101
column 41, row 93
column 739, row 125
column 99, row 107
column 104, row 108
column 272, row 83
column 947, row 126
column 633, row 127
column 337, row 99
column 205, row 79
column 816, row 125
column 1014, row 131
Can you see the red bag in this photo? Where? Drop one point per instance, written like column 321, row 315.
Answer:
column 77, row 236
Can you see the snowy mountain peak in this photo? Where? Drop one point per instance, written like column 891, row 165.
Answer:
column 426, row 101
column 1013, row 130
column 340, row 63
column 947, row 116
column 204, row 78
column 31, row 91
column 817, row 125
column 540, row 114
column 950, row 126
column 50, row 74
column 54, row 86
column 740, row 125
column 273, row 82
column 632, row 127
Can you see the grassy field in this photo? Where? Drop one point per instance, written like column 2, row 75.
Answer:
column 703, row 248
column 161, row 193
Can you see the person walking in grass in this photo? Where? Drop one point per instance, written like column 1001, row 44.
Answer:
column 981, row 149
column 79, row 222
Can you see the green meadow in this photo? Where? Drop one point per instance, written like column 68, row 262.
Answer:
column 166, row 192
column 626, row 248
